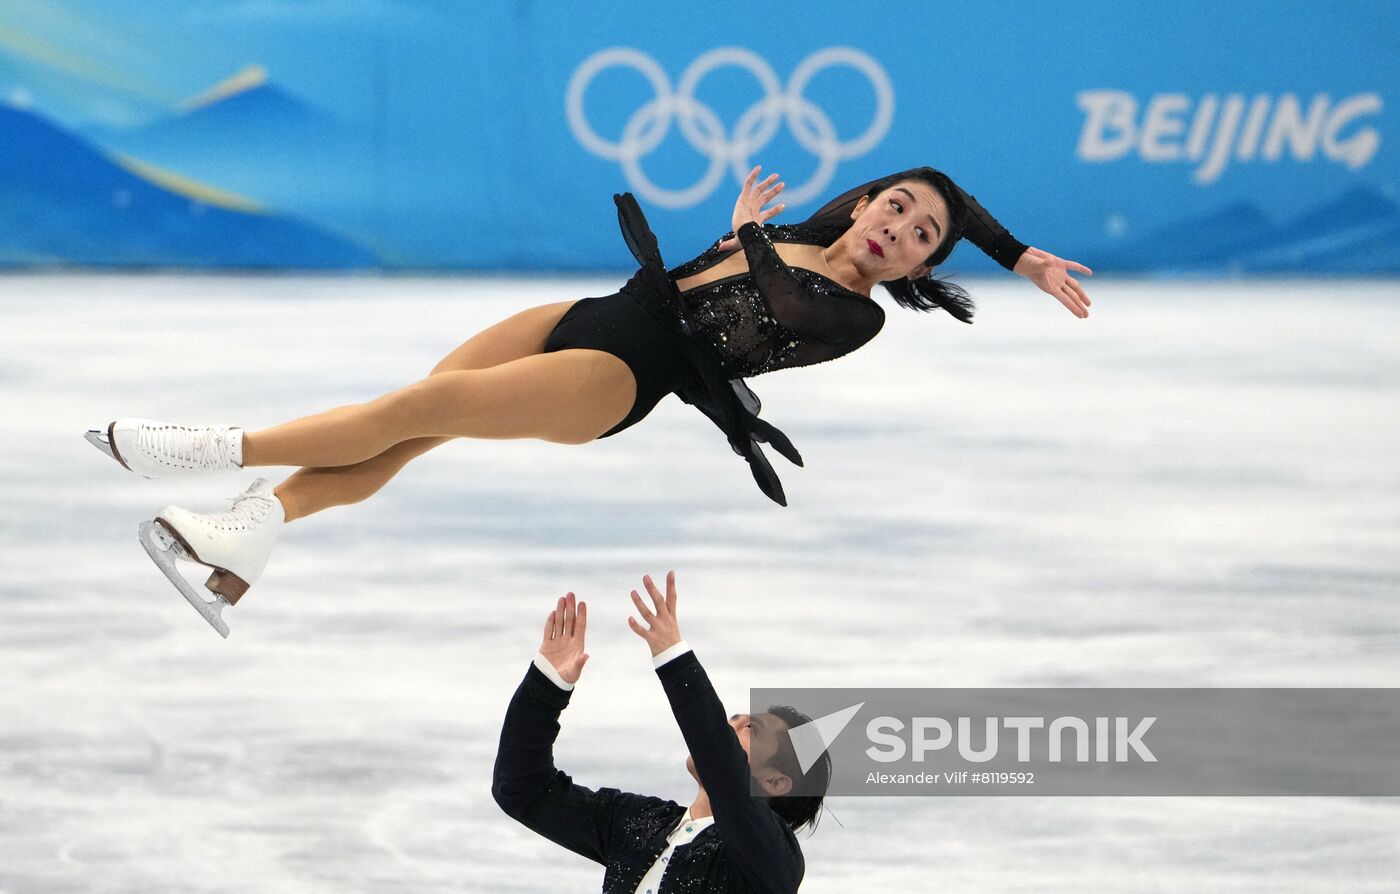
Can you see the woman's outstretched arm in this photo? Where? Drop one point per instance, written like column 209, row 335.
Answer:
column 1051, row 274
column 1048, row 272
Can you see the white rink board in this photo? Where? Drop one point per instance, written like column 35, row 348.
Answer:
column 1195, row 487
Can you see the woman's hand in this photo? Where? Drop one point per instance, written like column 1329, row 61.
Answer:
column 1051, row 274
column 663, row 632
column 563, row 638
column 750, row 205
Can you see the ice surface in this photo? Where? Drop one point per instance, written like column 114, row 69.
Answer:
column 1195, row 487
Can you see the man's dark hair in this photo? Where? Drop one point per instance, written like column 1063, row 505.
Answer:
column 803, row 805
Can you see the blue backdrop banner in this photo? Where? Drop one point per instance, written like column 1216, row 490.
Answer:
column 1195, row 137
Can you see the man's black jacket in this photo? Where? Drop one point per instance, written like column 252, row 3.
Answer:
column 748, row 849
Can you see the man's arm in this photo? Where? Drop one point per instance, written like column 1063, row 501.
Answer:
column 756, row 839
column 525, row 783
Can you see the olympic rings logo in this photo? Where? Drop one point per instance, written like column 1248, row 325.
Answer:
column 706, row 133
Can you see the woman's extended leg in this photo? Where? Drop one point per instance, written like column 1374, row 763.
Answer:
column 524, row 335
column 569, row 397
column 314, row 488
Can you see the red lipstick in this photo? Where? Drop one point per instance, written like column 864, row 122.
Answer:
column 875, row 248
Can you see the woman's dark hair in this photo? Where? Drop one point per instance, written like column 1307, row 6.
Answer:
column 928, row 293
column 802, row 806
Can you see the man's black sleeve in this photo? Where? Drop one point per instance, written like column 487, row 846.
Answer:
column 543, row 798
column 763, row 848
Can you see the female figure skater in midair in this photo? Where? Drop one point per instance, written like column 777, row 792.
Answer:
column 762, row 298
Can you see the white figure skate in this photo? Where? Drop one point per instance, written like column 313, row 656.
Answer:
column 236, row 544
column 161, row 450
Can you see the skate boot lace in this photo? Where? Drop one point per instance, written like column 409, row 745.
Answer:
column 248, row 511
column 203, row 448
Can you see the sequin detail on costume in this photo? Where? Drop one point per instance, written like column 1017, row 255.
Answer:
column 774, row 316
column 731, row 318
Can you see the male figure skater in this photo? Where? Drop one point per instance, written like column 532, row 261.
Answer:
column 728, row 840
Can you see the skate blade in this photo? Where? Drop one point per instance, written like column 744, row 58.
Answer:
column 98, row 439
column 164, row 550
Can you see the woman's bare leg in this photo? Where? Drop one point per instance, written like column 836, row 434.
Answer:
column 315, row 488
column 568, row 397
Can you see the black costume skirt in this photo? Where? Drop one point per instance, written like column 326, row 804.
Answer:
column 645, row 327
column 620, row 326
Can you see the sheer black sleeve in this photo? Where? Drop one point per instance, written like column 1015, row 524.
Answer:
column 760, row 844
column 840, row 323
column 532, row 791
column 985, row 232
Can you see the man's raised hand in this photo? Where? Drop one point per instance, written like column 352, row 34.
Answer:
column 563, row 638
column 661, row 630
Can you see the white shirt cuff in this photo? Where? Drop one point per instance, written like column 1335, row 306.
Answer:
column 548, row 670
column 670, row 652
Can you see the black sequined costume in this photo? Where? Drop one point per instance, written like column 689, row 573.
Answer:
column 749, row 848
column 701, row 344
